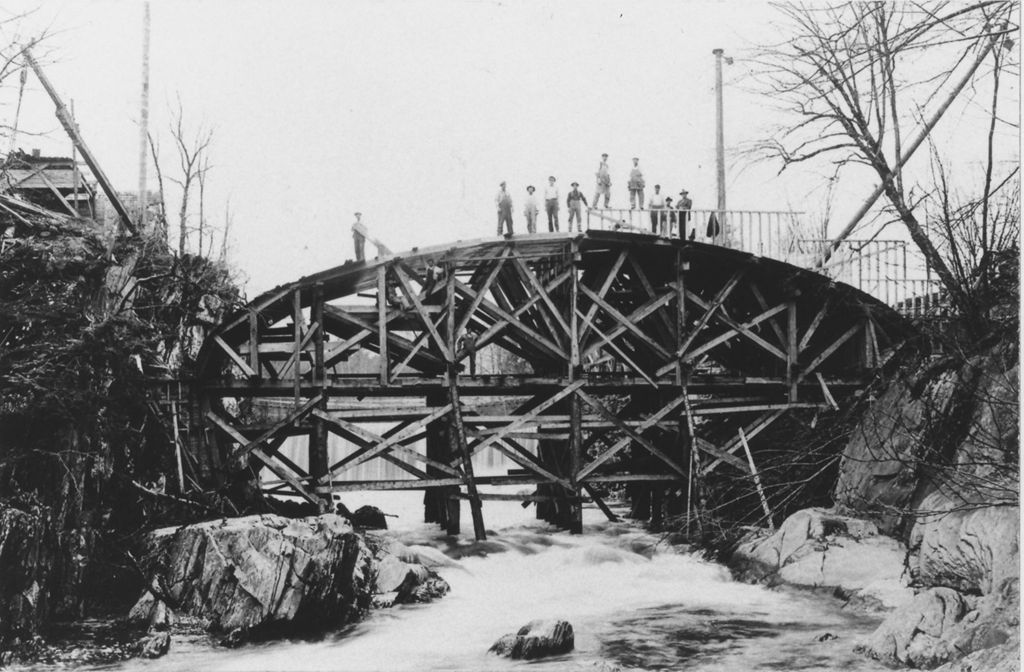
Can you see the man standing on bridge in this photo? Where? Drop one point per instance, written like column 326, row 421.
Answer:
column 503, row 201
column 636, row 185
column 604, row 182
column 551, row 204
column 530, row 210
column 573, row 201
column 359, row 234
column 658, row 220
column 684, row 206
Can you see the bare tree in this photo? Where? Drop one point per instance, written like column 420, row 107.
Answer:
column 193, row 164
column 854, row 75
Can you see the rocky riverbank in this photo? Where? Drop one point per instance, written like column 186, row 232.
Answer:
column 926, row 522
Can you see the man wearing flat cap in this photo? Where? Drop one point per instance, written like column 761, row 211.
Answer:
column 604, row 182
column 530, row 210
column 636, row 185
column 551, row 204
column 573, row 201
column 503, row 201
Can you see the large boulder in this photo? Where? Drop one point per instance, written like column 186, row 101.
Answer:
column 941, row 625
column 260, row 574
column 398, row 578
column 537, row 639
column 818, row 548
column 973, row 550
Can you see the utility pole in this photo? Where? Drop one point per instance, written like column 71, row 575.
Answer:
column 144, row 120
column 720, row 143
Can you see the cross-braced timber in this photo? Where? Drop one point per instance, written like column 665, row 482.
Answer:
column 614, row 345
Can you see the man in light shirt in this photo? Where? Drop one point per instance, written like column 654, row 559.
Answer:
column 657, row 204
column 530, row 210
column 551, row 204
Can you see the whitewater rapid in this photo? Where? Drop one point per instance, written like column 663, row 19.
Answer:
column 634, row 602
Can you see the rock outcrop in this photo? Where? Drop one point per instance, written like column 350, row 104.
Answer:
column 259, row 575
column 817, row 548
column 934, row 461
column 537, row 639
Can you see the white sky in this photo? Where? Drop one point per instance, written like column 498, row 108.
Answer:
column 413, row 112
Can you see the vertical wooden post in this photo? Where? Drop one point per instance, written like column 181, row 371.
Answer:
column 297, row 368
column 458, row 430
column 792, row 349
column 254, row 342
column 382, row 322
column 575, row 405
column 318, row 454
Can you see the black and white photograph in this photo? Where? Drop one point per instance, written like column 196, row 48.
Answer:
column 510, row 335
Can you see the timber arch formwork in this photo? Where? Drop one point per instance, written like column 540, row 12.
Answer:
column 615, row 344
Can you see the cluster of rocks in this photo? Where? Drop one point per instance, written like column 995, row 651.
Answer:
column 263, row 576
column 537, row 639
column 926, row 527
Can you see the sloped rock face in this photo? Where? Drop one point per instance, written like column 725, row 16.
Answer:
column 817, row 548
column 261, row 574
column 973, row 550
column 935, row 462
column 537, row 639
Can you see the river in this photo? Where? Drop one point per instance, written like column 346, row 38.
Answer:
column 634, row 602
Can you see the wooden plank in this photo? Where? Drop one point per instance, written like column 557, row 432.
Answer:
column 622, row 443
column 640, row 313
column 395, row 439
column 713, row 308
column 741, row 329
column 235, row 357
column 815, row 323
column 522, row 420
column 714, row 451
column 756, row 291
column 531, row 279
column 793, row 350
column 265, row 459
column 403, row 281
column 626, row 429
column 826, row 392
column 608, row 513
column 625, row 322
column 827, row 352
column 757, row 481
column 750, row 431
column 507, row 319
column 294, row 357
column 609, row 278
column 365, row 438
column 393, row 340
column 481, row 292
column 382, row 324
column 247, row 446
column 667, row 326
column 625, row 358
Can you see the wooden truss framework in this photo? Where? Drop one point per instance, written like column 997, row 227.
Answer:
column 584, row 329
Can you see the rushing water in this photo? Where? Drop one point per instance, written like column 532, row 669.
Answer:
column 634, row 604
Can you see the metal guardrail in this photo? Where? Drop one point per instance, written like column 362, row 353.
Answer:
column 887, row 269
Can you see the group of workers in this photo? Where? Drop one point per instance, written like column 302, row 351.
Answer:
column 663, row 214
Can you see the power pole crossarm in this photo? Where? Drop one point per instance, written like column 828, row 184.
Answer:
column 69, row 126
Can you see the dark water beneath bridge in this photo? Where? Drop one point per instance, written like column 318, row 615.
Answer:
column 635, row 604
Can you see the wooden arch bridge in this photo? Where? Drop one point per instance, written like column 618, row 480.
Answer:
column 605, row 352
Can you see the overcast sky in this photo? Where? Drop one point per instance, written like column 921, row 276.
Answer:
column 412, row 112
